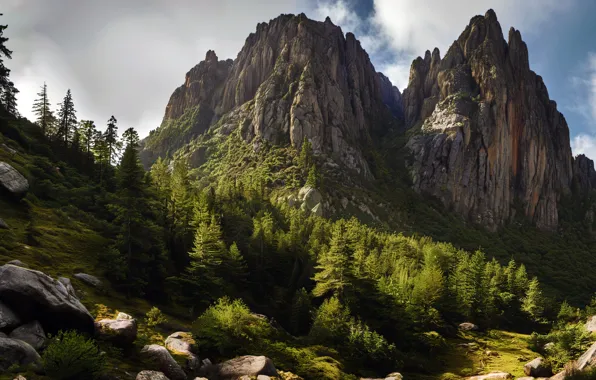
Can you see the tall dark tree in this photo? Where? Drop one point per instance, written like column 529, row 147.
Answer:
column 7, row 89
column 67, row 119
column 9, row 99
column 42, row 111
column 130, row 137
column 87, row 131
column 111, row 137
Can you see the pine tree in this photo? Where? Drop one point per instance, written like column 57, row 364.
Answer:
column 88, row 133
column 9, row 99
column 7, row 89
column 130, row 137
column 102, row 154
column 533, row 302
column 67, row 120
column 305, row 160
column 42, row 111
column 111, row 137
column 334, row 274
column 301, row 309
column 313, row 179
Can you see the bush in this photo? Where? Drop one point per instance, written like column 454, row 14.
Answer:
column 569, row 342
column 228, row 327
column 71, row 356
column 155, row 317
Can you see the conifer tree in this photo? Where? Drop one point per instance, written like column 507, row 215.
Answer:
column 7, row 89
column 88, row 133
column 313, row 179
column 9, row 99
column 533, row 302
column 334, row 274
column 305, row 160
column 67, row 120
column 131, row 137
column 42, row 111
column 111, row 137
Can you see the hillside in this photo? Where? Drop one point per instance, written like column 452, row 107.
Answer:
column 296, row 216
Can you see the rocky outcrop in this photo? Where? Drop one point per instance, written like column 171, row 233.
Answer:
column 31, row 333
column 295, row 78
column 12, row 181
column 538, row 368
column 151, row 375
column 163, row 361
column 490, row 138
column 89, row 279
column 33, row 295
column 584, row 174
column 16, row 352
column 8, row 319
column 182, row 343
column 18, row 263
column 121, row 331
column 246, row 366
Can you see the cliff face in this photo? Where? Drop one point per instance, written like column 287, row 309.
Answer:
column 489, row 137
column 294, row 78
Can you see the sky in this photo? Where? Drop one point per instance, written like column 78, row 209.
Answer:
column 125, row 57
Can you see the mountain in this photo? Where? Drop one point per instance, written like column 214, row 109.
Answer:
column 484, row 136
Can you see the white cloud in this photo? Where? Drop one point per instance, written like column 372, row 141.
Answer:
column 583, row 86
column 584, row 144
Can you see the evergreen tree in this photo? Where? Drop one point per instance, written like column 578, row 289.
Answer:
column 88, row 134
column 67, row 120
column 9, row 99
column 42, row 111
column 300, row 316
column 533, row 302
column 7, row 90
column 111, row 137
column 130, row 137
column 305, row 160
column 102, row 155
column 313, row 179
column 334, row 274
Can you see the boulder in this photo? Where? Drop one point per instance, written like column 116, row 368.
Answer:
column 587, row 358
column 151, row 375
column 13, row 351
column 3, row 225
column 537, row 368
column 121, row 331
column 468, row 326
column 310, row 197
column 591, row 324
column 89, row 279
column 123, row 316
column 18, row 263
column 33, row 295
column 317, row 210
column 394, row 376
column 182, row 343
column 8, row 319
column 12, row 181
column 3, row 335
column 160, row 357
column 492, row 376
column 246, row 365
column 31, row 333
column 68, row 288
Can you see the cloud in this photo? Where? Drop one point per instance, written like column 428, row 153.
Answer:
column 584, row 144
column 122, row 58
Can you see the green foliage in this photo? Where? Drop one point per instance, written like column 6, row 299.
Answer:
column 71, row 356
column 155, row 317
column 569, row 341
column 305, row 160
column 314, row 178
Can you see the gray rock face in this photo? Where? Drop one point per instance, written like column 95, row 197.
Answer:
column 119, row 331
column 14, row 351
column 538, row 368
column 70, row 291
column 591, row 324
column 246, row 365
column 163, row 361
column 151, row 375
column 182, row 343
column 31, row 333
column 89, row 279
column 467, row 326
column 8, row 319
column 12, row 181
column 489, row 132
column 18, row 263
column 33, row 295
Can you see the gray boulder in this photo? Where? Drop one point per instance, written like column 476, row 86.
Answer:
column 68, row 288
column 492, row 376
column 161, row 358
column 537, row 368
column 591, row 324
column 8, row 319
column 33, row 295
column 18, row 263
column 151, row 375
column 121, row 331
column 587, row 359
column 12, row 181
column 3, row 225
column 13, row 351
column 310, row 197
column 182, row 343
column 246, row 365
column 468, row 326
column 31, row 333
column 89, row 279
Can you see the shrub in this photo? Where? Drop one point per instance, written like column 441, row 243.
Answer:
column 155, row 317
column 228, row 327
column 331, row 324
column 71, row 356
column 569, row 342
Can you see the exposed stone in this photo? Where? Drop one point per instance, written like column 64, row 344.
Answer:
column 123, row 316
column 182, row 343
column 591, row 324
column 538, row 368
column 317, row 210
column 159, row 357
column 492, row 376
column 151, row 375
column 3, row 225
column 89, row 279
column 246, row 365
column 18, row 263
column 12, row 181
column 13, row 351
column 70, row 291
column 489, row 135
column 468, row 326
column 8, row 149
column 587, row 359
column 31, row 333
column 394, row 376
column 8, row 319
column 119, row 331
column 33, row 295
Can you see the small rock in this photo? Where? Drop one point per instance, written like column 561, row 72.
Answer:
column 119, row 331
column 13, row 351
column 123, row 317
column 89, row 279
column 151, row 375
column 181, row 342
column 492, row 376
column 18, row 263
column 3, row 225
column 394, row 376
column 8, row 319
column 467, row 326
column 537, row 368
column 161, row 358
column 246, row 365
column 525, row 378
column 31, row 333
